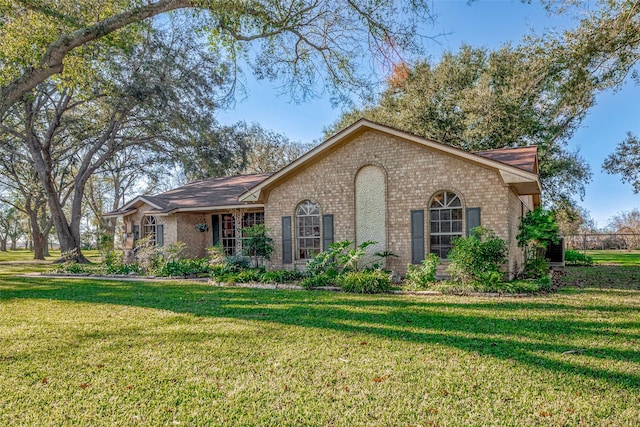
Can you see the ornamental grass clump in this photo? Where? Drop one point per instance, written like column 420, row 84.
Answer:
column 364, row 282
column 478, row 258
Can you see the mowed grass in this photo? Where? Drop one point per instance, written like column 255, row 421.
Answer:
column 21, row 261
column 618, row 257
column 98, row 352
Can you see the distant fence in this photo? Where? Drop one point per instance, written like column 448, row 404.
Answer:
column 602, row 241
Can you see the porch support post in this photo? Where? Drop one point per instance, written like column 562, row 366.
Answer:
column 238, row 216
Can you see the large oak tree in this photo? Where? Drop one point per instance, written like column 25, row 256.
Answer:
column 297, row 41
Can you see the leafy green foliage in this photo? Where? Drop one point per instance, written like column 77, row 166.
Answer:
column 626, row 161
column 185, row 267
column 478, row 257
column 572, row 257
column 423, row 275
column 341, row 257
column 281, row 276
column 478, row 99
column 537, row 230
column 364, row 282
column 257, row 243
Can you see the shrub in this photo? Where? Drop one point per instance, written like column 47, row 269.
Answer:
column 72, row 267
column 185, row 267
column 364, row 282
column 257, row 244
column 536, row 231
column 148, row 255
column 216, row 255
column 237, row 262
column 112, row 264
column 327, row 261
column 577, row 258
column 478, row 257
column 535, row 268
column 349, row 260
column 247, row 276
column 221, row 272
column 341, row 257
column 121, row 269
column 319, row 280
column 420, row 276
column 281, row 276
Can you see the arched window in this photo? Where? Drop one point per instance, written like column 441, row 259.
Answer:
column 149, row 228
column 308, row 229
column 445, row 218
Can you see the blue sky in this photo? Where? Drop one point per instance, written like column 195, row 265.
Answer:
column 486, row 23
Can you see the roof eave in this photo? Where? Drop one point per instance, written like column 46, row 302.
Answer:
column 255, row 193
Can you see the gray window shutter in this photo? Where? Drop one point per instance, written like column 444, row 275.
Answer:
column 287, row 250
column 473, row 219
column 417, row 236
column 327, row 231
column 215, row 225
column 159, row 235
column 136, row 232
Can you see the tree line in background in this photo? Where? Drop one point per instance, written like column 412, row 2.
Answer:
column 98, row 103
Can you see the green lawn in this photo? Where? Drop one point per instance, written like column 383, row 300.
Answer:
column 98, row 352
column 619, row 257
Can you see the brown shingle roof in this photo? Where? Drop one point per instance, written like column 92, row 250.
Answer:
column 524, row 158
column 208, row 193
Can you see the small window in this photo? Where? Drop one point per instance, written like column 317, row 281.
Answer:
column 250, row 219
column 149, row 229
column 308, row 229
column 228, row 235
column 445, row 222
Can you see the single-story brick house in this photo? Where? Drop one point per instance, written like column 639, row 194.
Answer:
column 410, row 194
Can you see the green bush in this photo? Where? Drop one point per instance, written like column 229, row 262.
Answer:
column 222, row 272
column 257, row 244
column 185, row 267
column 478, row 257
column 237, row 262
column 364, row 282
column 72, row 267
column 121, row 269
column 535, row 268
column 572, row 257
column 421, row 276
column 247, row 276
column 326, row 262
column 281, row 276
column 320, row 280
column 537, row 230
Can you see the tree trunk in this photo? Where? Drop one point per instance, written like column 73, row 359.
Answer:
column 37, row 236
column 3, row 245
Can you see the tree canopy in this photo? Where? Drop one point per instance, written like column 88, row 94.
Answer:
column 477, row 99
column 298, row 42
column 625, row 161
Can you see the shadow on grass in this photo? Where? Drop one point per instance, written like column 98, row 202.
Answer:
column 527, row 331
column 603, row 277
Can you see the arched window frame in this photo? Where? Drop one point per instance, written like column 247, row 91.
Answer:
column 150, row 228
column 308, row 229
column 445, row 221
